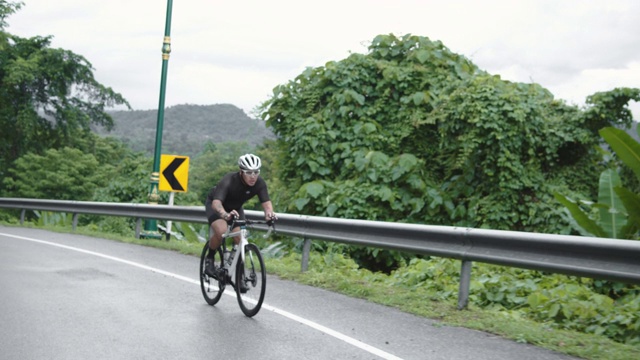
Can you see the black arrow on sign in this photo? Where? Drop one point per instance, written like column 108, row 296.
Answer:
column 171, row 178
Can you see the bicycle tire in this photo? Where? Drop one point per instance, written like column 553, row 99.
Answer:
column 212, row 289
column 251, row 281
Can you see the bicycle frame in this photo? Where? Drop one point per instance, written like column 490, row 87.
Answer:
column 240, row 250
column 240, row 253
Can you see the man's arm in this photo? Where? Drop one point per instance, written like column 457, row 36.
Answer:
column 216, row 205
column 268, row 211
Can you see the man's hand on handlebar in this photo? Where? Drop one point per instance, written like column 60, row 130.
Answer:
column 270, row 216
column 230, row 216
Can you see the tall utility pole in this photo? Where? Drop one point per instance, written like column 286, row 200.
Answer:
column 151, row 225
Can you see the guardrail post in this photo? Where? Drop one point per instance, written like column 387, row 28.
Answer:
column 74, row 222
column 465, row 280
column 22, row 216
column 138, row 227
column 306, row 249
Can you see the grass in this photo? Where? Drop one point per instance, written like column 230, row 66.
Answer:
column 343, row 277
column 374, row 288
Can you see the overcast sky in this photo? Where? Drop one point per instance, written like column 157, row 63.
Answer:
column 237, row 51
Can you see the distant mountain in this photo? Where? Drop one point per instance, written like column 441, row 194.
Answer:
column 186, row 128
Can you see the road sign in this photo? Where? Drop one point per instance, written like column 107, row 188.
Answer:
column 174, row 173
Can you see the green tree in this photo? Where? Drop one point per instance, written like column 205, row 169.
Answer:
column 413, row 132
column 48, row 97
column 7, row 8
column 505, row 147
column 65, row 174
column 609, row 108
column 126, row 173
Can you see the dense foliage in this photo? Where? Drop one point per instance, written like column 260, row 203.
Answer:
column 65, row 174
column 557, row 300
column 48, row 97
column 108, row 172
column 413, row 132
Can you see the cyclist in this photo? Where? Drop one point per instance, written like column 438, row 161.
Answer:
column 226, row 199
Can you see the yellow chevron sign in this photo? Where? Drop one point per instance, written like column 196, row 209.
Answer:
column 174, row 173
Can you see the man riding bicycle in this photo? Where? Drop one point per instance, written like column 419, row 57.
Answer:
column 225, row 200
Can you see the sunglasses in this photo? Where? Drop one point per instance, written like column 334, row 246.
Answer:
column 251, row 172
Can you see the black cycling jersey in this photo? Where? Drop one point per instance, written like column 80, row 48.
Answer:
column 233, row 193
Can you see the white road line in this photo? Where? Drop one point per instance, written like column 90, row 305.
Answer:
column 314, row 325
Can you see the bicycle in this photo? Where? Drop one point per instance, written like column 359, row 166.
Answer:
column 242, row 268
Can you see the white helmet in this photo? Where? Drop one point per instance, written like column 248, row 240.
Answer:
column 249, row 162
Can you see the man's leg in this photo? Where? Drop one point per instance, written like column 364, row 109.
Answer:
column 216, row 229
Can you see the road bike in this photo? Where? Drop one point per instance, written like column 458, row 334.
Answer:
column 242, row 268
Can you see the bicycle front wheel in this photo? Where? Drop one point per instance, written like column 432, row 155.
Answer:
column 212, row 289
column 251, row 281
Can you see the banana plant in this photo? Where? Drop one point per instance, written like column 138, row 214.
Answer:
column 612, row 215
column 612, row 211
column 628, row 151
column 626, row 148
column 618, row 208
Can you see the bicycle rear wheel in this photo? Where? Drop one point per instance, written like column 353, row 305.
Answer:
column 212, row 289
column 251, row 281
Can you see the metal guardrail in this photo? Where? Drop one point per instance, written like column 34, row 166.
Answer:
column 599, row 258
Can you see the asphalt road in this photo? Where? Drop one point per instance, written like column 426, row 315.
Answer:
column 66, row 296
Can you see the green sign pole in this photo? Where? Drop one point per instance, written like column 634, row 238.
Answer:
column 151, row 225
